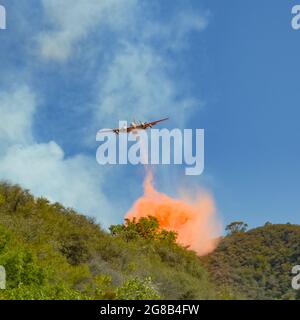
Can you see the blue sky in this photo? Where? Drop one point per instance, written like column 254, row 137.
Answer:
column 231, row 67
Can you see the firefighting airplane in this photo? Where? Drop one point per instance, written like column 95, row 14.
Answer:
column 134, row 126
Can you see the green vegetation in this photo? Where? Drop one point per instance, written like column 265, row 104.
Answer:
column 51, row 252
column 256, row 264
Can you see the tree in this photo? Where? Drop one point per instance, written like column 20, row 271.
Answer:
column 236, row 226
column 146, row 227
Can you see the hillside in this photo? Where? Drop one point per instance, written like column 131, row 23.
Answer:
column 257, row 264
column 51, row 252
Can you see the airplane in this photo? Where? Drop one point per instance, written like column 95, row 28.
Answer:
column 134, row 126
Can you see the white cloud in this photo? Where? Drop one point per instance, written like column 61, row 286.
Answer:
column 134, row 81
column 174, row 33
column 134, row 85
column 43, row 168
column 137, row 84
column 16, row 108
column 71, row 21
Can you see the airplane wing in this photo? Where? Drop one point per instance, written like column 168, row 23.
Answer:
column 108, row 130
column 148, row 124
column 117, row 130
